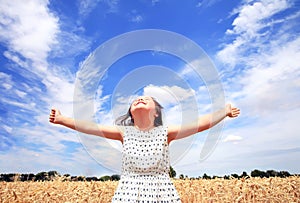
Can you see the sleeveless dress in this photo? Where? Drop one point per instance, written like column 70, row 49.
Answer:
column 145, row 168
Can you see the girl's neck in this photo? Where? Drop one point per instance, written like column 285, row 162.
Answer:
column 143, row 124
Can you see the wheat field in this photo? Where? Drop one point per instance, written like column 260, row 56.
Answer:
column 216, row 190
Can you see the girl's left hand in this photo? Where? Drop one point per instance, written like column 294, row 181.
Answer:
column 231, row 111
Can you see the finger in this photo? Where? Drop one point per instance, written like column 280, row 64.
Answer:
column 236, row 113
column 235, row 109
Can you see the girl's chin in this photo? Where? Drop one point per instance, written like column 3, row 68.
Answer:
column 141, row 108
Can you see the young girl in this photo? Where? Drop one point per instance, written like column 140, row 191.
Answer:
column 146, row 163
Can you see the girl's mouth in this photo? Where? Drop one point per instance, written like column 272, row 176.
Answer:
column 140, row 102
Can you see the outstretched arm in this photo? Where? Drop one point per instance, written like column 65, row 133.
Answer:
column 203, row 123
column 91, row 128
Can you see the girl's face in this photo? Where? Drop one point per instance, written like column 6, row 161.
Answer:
column 143, row 103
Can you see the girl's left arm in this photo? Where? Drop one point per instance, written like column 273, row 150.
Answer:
column 203, row 123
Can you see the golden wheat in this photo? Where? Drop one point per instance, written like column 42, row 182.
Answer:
column 240, row 190
column 216, row 190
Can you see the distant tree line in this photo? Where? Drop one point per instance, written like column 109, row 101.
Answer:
column 54, row 175
column 254, row 173
column 51, row 176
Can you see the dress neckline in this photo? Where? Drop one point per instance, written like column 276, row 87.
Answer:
column 145, row 131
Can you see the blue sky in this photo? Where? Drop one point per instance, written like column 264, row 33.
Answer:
column 254, row 46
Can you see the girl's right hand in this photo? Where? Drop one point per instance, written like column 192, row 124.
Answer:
column 232, row 111
column 55, row 116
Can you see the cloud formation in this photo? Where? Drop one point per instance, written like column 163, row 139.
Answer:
column 42, row 49
column 29, row 30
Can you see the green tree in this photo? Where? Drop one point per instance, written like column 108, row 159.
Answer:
column 234, row 175
column 258, row 173
column 244, row 175
column 226, row 177
column 205, row 176
column 53, row 175
column 104, row 178
column 172, row 172
column 41, row 176
column 272, row 173
column 115, row 177
column 284, row 174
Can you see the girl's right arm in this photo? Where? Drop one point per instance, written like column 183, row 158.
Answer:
column 109, row 132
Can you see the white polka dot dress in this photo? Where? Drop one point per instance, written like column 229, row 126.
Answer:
column 145, row 168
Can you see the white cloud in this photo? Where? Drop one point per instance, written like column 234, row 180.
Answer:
column 167, row 95
column 61, row 93
column 7, row 128
column 232, row 138
column 13, row 57
column 135, row 16
column 252, row 17
column 180, row 105
column 202, row 75
column 65, row 48
column 20, row 94
column 272, row 82
column 97, row 146
column 85, row 7
column 266, row 67
column 202, row 65
column 5, row 81
column 29, row 29
column 206, row 3
column 31, row 32
column 32, row 35
column 263, row 80
column 248, row 29
column 137, row 19
column 23, row 160
column 230, row 53
column 267, row 142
